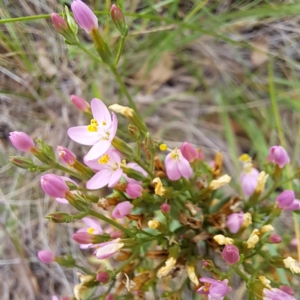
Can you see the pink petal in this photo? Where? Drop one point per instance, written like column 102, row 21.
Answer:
column 172, row 168
column 184, row 167
column 62, row 200
column 115, row 156
column 100, row 112
column 93, row 164
column 81, row 135
column 93, row 223
column 114, row 127
column 99, row 180
column 98, row 150
column 115, row 177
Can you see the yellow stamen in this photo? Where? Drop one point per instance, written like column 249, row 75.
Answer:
column 175, row 154
column 93, row 127
column 103, row 159
column 245, row 158
column 91, row 230
column 163, row 147
column 206, row 287
column 104, row 123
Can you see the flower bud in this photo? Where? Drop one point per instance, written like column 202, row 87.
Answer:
column 235, row 221
column 134, row 190
column 189, row 152
column 165, row 208
column 58, row 22
column 275, row 239
column 23, row 162
column 122, row 210
column 60, row 217
column 80, row 103
column 66, row 156
column 285, row 199
column 231, row 254
column 84, row 16
column 21, row 141
column 287, row 289
column 279, row 156
column 54, row 186
column 118, row 18
column 46, row 256
column 116, row 234
column 83, row 237
column 110, row 297
column 103, row 277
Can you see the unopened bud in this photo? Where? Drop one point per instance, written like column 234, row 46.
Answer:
column 275, row 239
column 103, row 277
column 231, row 254
column 58, row 22
column 60, row 217
column 23, row 162
column 118, row 18
column 134, row 132
column 46, row 256
column 165, row 208
column 80, row 103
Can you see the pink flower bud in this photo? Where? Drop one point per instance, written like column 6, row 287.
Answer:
column 110, row 297
column 116, row 234
column 108, row 249
column 189, row 152
column 46, row 256
column 122, row 210
column 134, row 190
column 58, row 22
column 285, row 199
column 66, row 156
column 21, row 141
column 82, row 237
column 287, row 289
column 80, row 103
column 84, row 16
column 165, row 208
column 54, row 186
column 278, row 155
column 118, row 19
column 103, row 277
column 235, row 221
column 294, row 206
column 231, row 254
column 275, row 239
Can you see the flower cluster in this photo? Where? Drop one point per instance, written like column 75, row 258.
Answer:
column 168, row 212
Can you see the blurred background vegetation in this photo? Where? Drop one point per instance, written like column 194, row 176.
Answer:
column 223, row 75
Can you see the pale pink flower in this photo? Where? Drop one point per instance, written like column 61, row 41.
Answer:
column 58, row 22
column 21, row 141
column 189, row 152
column 177, row 166
column 46, row 256
column 279, row 156
column 80, row 103
column 276, row 294
column 285, row 199
column 235, row 221
column 249, row 181
column 217, row 289
column 109, row 170
column 122, row 210
column 99, row 133
column 66, row 155
column 54, row 186
column 231, row 254
column 108, row 249
column 84, row 16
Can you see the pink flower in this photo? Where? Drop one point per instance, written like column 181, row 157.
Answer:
column 80, row 103
column 235, row 221
column 287, row 289
column 189, row 152
column 109, row 170
column 110, row 297
column 165, row 208
column 46, row 256
column 294, row 206
column 99, row 133
column 177, row 166
column 249, row 181
column 54, row 186
column 21, row 141
column 66, row 155
column 215, row 289
column 103, row 277
column 64, row 200
column 134, row 188
column 58, row 22
column 231, row 254
column 108, row 249
column 84, row 16
column 278, row 155
column 285, row 199
column 276, row 294
column 122, row 210
column 275, row 239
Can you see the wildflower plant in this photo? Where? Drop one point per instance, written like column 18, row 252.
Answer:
column 168, row 217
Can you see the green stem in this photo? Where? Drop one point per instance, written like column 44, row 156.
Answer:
column 120, row 50
column 85, row 50
column 240, row 273
column 64, row 169
column 111, row 222
column 84, row 270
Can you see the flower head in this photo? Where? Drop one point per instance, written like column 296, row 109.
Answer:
column 46, row 256
column 80, row 103
column 279, row 156
column 276, row 294
column 84, row 16
column 21, row 141
column 122, row 210
column 99, row 133
column 285, row 199
column 177, row 166
column 231, row 254
column 235, row 221
column 54, row 186
column 215, row 289
column 109, row 170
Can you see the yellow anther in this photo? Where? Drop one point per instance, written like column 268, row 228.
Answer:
column 93, row 127
column 91, row 230
column 163, row 147
column 103, row 159
column 245, row 158
column 104, row 123
column 175, row 154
